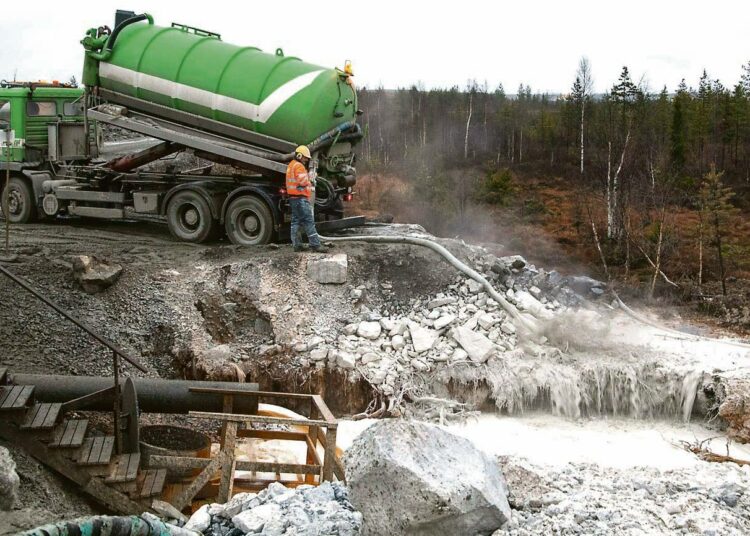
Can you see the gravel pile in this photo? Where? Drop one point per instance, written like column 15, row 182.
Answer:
column 709, row 499
column 277, row 511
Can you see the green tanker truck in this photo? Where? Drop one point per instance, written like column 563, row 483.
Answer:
column 188, row 90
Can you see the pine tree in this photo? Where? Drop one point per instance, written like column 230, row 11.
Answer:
column 678, row 128
column 717, row 211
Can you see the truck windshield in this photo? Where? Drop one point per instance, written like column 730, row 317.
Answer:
column 4, row 115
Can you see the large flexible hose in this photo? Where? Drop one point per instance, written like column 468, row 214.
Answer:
column 521, row 321
column 146, row 525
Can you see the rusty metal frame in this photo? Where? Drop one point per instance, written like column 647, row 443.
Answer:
column 321, row 429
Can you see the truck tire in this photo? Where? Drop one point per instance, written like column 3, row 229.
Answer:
column 248, row 221
column 21, row 201
column 189, row 217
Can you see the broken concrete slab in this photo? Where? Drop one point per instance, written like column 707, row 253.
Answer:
column 422, row 338
column 477, row 346
column 331, row 269
column 95, row 275
column 413, row 478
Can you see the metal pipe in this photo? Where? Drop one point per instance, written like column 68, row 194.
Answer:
column 154, row 395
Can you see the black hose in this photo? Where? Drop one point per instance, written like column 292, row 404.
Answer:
column 123, row 24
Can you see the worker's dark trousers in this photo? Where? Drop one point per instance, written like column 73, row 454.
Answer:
column 302, row 219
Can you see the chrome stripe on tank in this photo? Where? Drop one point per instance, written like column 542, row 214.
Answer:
column 256, row 112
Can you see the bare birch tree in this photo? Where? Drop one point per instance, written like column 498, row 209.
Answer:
column 586, row 83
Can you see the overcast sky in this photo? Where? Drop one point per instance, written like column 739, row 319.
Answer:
column 398, row 43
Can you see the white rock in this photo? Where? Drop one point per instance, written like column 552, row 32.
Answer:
column 439, row 302
column 419, row 365
column 486, row 321
column 355, row 293
column 345, row 360
column 444, row 321
column 319, row 354
column 253, row 521
column 474, row 286
column 399, row 328
column 387, row 324
column 477, row 346
column 369, row 330
column 398, row 342
column 314, row 342
column 200, row 520
column 422, row 338
column 434, row 314
column 328, row 269
column 351, row 329
column 9, row 480
column 508, row 327
column 370, row 357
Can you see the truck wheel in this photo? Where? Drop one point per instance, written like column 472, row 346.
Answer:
column 189, row 217
column 21, row 202
column 248, row 221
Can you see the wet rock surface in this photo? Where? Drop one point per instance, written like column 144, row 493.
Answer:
column 93, row 274
column 412, row 478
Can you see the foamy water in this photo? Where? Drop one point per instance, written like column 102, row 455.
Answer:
column 554, row 441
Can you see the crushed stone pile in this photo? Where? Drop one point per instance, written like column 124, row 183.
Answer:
column 278, row 511
column 711, row 499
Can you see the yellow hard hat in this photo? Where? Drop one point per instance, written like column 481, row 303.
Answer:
column 303, row 150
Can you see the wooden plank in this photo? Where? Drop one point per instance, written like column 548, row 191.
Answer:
column 4, row 393
column 152, row 483
column 272, row 434
column 124, row 468
column 184, row 498
column 16, row 397
column 41, row 417
column 323, row 409
column 70, row 434
column 259, row 419
column 115, row 500
column 52, row 415
column 330, row 454
column 184, row 462
column 227, row 469
column 32, row 414
column 96, row 450
column 3, row 374
column 26, row 393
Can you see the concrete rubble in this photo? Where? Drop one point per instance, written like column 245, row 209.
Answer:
column 278, row 511
column 330, row 269
column 9, row 481
column 413, row 478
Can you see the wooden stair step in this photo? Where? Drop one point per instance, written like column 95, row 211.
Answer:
column 124, row 468
column 96, row 451
column 3, row 374
column 150, row 483
column 15, row 397
column 41, row 417
column 69, row 434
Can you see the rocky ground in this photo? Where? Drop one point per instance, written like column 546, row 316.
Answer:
column 404, row 334
column 588, row 499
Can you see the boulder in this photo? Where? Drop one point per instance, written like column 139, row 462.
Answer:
column 444, row 321
column 9, row 481
column 95, row 275
column 345, row 360
column 440, row 302
column 530, row 304
column 417, row 479
column 422, row 338
column 398, row 342
column 369, row 330
column 331, row 269
column 253, row 521
column 477, row 346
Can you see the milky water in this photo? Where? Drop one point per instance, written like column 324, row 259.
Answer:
column 554, row 441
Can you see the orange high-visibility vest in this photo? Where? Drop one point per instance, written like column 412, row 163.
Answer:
column 297, row 180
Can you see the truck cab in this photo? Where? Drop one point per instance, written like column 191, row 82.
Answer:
column 41, row 124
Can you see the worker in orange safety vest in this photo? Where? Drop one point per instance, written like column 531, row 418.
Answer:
column 300, row 189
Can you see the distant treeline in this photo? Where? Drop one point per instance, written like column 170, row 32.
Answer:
column 638, row 150
column 677, row 132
